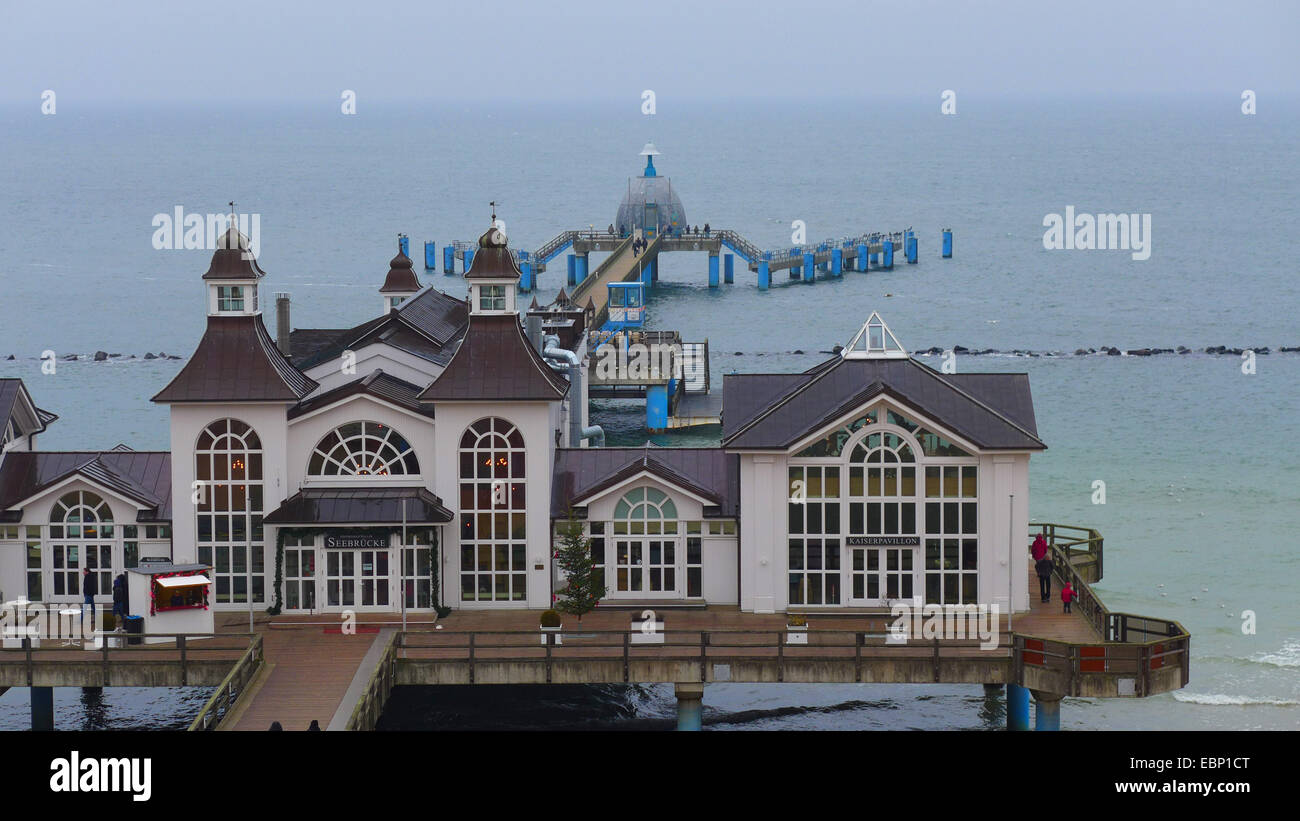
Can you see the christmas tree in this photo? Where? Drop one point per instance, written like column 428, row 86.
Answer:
column 584, row 581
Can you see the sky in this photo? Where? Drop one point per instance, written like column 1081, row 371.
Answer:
column 91, row 52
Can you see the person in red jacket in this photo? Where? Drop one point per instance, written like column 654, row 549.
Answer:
column 1068, row 595
column 1039, row 550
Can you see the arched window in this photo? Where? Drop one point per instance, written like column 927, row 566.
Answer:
column 81, row 535
column 645, row 510
column 363, row 449
column 645, row 565
column 228, row 474
column 882, row 471
column 493, row 514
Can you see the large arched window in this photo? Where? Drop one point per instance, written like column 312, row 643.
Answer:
column 81, row 535
column 493, row 517
column 645, row 510
column 645, row 543
column 363, row 449
column 228, row 472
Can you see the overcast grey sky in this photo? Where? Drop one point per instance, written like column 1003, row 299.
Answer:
column 98, row 52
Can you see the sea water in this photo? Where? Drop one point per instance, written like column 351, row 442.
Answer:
column 1199, row 458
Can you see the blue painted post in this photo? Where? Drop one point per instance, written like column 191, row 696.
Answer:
column 469, row 259
column 573, row 270
column 911, row 250
column 862, row 258
column 448, row 259
column 947, row 243
column 656, row 408
column 729, row 269
column 837, row 261
column 405, row 244
column 887, row 257
column 1017, row 707
column 764, row 274
column 430, row 256
column 1047, row 712
column 809, row 267
column 525, row 276
column 648, row 272
column 690, row 706
column 582, row 267
column 42, row 708
column 713, row 270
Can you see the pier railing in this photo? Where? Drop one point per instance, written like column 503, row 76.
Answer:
column 366, row 713
column 228, row 692
column 1082, row 546
column 180, row 659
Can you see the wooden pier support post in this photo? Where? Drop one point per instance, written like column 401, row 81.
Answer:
column 690, row 705
column 862, row 258
column 42, row 708
column 947, row 243
column 1047, row 711
column 430, row 256
column 729, row 269
column 713, row 270
column 1017, row 707
column 809, row 267
column 448, row 259
column 764, row 274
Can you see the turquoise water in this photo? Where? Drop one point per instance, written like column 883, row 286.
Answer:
column 1199, row 459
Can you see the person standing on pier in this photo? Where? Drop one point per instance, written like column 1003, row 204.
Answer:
column 1068, row 595
column 1039, row 549
column 88, row 591
column 119, row 598
column 706, row 229
column 1043, row 567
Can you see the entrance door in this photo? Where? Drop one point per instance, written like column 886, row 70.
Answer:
column 645, row 568
column 357, row 578
column 881, row 574
column 340, row 578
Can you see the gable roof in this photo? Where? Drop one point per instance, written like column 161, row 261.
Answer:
column 495, row 361
column 994, row 411
column 581, row 473
column 425, row 325
column 237, row 361
column 377, row 384
column 14, row 398
column 142, row 476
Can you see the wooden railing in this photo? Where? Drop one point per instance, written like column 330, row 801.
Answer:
column 366, row 713
column 231, row 688
column 178, row 650
column 1132, row 646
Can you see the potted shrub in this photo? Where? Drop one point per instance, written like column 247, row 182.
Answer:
column 550, row 628
column 796, row 629
column 649, row 629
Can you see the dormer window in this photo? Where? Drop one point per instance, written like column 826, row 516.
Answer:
column 230, row 298
column 492, row 298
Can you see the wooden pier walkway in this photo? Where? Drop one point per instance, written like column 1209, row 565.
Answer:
column 622, row 265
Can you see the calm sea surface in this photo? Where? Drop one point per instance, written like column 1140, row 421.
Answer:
column 1200, row 460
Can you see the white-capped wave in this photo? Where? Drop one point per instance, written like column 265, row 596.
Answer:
column 1287, row 656
column 1223, row 700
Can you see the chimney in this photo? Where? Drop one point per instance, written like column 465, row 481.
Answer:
column 282, row 322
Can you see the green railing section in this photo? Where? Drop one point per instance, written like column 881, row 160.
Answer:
column 231, row 688
column 365, row 715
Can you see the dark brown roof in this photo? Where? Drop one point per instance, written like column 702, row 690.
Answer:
column 378, row 384
column 144, row 476
column 233, row 259
column 401, row 276
column 492, row 259
column 237, row 361
column 13, row 395
column 496, row 362
column 711, row 473
column 342, row 506
column 431, row 315
column 994, row 411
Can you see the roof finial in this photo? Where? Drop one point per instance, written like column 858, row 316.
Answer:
column 493, row 203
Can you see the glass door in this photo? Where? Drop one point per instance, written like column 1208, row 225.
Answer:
column 645, row 567
column 374, row 578
column 340, row 578
column 879, row 575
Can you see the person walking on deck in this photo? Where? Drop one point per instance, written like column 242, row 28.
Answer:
column 1068, row 595
column 1039, row 549
column 1043, row 567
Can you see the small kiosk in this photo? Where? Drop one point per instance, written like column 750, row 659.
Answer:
column 171, row 598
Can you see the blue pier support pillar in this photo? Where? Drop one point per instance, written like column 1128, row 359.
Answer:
column 525, row 276
column 581, row 273
column 764, row 274
column 874, row 259
column 1047, row 711
column 469, row 259
column 42, row 708
column 887, row 256
column 862, row 258
column 648, row 272
column 809, row 267
column 448, row 259
column 729, row 269
column 690, row 705
column 713, row 270
column 573, row 270
column 430, row 257
column 1017, row 707
column 837, row 261
column 947, row 243
column 405, row 244
column 656, row 408
column 911, row 250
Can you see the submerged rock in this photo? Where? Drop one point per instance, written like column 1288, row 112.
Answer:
column 100, row 356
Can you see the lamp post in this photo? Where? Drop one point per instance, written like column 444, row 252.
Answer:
column 401, row 566
column 1011, row 557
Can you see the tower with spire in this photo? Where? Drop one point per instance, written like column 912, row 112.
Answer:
column 233, row 274
column 493, row 276
column 401, row 282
